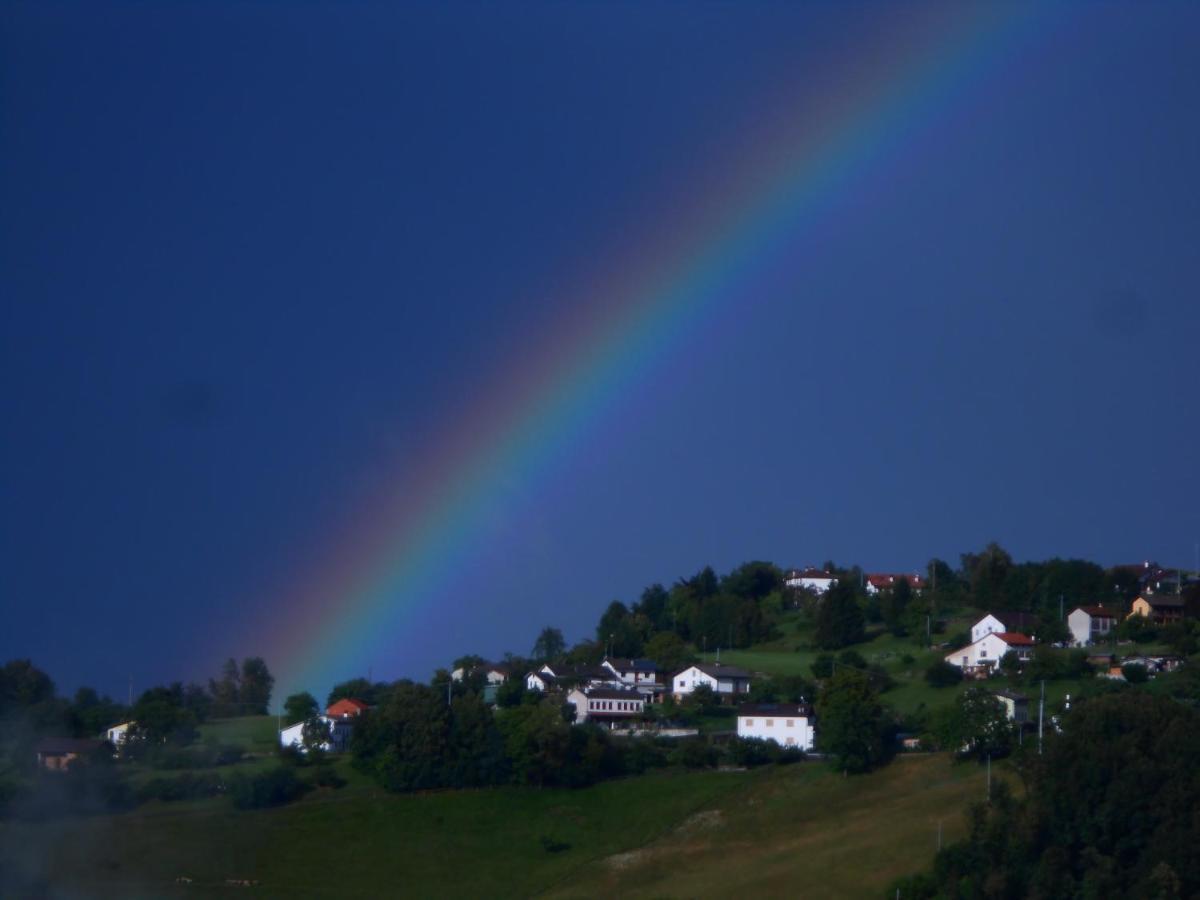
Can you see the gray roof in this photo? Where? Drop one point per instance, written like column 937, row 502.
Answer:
column 717, row 670
column 799, row 710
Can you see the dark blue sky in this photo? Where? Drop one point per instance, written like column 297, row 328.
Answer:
column 247, row 251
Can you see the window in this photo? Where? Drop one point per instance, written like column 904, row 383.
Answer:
column 983, row 653
column 749, row 723
column 769, row 723
column 791, row 723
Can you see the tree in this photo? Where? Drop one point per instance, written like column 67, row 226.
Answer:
column 669, row 651
column 1135, row 673
column 549, row 645
column 300, row 707
column 1108, row 811
column 354, row 689
column 161, row 716
column 254, row 690
column 618, row 631
column 839, row 618
column 987, row 572
column 314, row 736
column 852, row 725
column 654, row 606
column 224, row 690
column 893, row 605
column 977, row 725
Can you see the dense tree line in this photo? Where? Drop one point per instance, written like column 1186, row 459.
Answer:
column 1109, row 810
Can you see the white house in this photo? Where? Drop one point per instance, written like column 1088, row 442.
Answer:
column 494, row 673
column 1089, row 624
column 882, row 581
column 815, row 580
column 632, row 671
column 118, row 734
column 559, row 675
column 722, row 679
column 1004, row 620
column 987, row 652
column 1016, row 706
column 606, row 704
column 787, row 724
column 540, row 681
column 339, row 735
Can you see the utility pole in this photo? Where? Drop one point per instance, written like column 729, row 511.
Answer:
column 1041, row 715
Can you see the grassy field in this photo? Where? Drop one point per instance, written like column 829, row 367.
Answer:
column 666, row 834
column 804, row 832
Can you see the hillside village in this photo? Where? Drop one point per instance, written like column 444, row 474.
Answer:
column 637, row 696
column 846, row 669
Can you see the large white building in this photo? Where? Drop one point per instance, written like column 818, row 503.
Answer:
column 815, row 580
column 606, row 704
column 722, row 679
column 787, row 724
column 987, row 652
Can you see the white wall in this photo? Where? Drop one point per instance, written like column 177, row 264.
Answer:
column 799, row 733
column 986, row 626
column 986, row 651
column 1080, row 624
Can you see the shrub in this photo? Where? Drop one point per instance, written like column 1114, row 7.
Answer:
column 943, row 674
column 181, row 787
column 274, row 787
column 1135, row 673
column 325, row 775
column 694, row 753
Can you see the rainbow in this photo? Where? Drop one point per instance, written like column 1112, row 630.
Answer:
column 406, row 545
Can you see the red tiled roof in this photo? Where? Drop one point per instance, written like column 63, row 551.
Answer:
column 885, row 580
column 1012, row 637
column 345, row 707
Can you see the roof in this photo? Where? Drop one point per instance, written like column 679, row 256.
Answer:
column 809, row 572
column 1174, row 601
column 798, row 710
column 1098, row 611
column 1014, row 638
column 1012, row 618
column 347, row 706
column 885, row 580
column 1012, row 695
column 634, row 665
column 56, row 746
column 716, row 670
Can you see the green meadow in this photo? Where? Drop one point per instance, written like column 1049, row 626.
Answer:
column 669, row 834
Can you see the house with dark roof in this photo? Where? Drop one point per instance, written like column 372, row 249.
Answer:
column 883, row 581
column 787, row 724
column 61, row 754
column 1016, row 705
column 1090, row 624
column 1161, row 609
column 724, row 680
column 632, row 671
